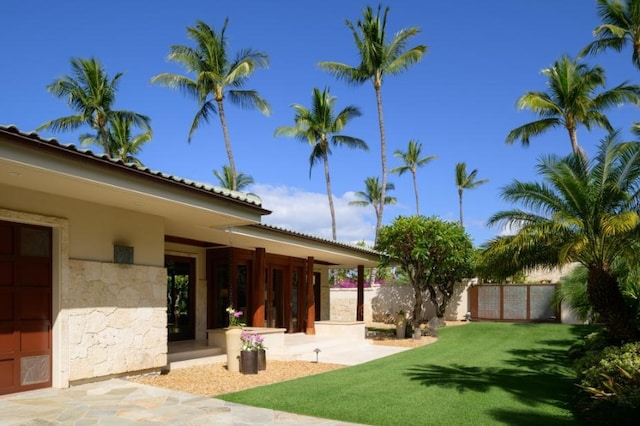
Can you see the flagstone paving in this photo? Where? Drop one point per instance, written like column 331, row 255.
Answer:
column 120, row 402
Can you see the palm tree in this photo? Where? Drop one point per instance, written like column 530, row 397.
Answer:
column 584, row 211
column 321, row 127
column 466, row 181
column 412, row 161
column 125, row 146
column 620, row 26
column 91, row 93
column 226, row 179
column 378, row 57
column 571, row 101
column 372, row 196
column 217, row 78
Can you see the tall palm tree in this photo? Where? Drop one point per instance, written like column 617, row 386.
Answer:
column 372, row 196
column 226, row 179
column 411, row 159
column 378, row 57
column 90, row 92
column 125, row 146
column 620, row 26
column 584, row 211
column 466, row 181
column 570, row 101
column 320, row 126
column 217, row 77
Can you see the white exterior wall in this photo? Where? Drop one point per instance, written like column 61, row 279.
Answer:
column 94, row 228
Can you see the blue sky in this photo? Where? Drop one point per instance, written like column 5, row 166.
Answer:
column 459, row 102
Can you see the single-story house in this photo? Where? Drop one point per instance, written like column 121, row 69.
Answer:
column 103, row 263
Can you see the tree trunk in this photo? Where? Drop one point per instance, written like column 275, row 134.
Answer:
column 417, row 306
column 460, row 196
column 607, row 300
column 227, row 144
column 331, row 207
column 415, row 189
column 377, row 84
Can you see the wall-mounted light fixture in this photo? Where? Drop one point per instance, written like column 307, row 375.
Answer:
column 123, row 254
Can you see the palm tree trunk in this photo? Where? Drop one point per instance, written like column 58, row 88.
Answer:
column 573, row 135
column 383, row 155
column 227, row 144
column 460, row 196
column 608, row 301
column 415, row 188
column 331, row 207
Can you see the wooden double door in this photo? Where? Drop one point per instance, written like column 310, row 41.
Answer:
column 233, row 281
column 25, row 307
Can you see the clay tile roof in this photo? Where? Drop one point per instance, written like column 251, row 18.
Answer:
column 71, row 149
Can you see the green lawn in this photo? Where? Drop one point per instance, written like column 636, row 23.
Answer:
column 479, row 373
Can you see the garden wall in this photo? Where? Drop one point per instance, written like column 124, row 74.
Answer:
column 381, row 302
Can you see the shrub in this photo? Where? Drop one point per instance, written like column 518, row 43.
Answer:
column 610, row 385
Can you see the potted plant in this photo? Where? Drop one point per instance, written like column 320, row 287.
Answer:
column 262, row 352
column 249, row 353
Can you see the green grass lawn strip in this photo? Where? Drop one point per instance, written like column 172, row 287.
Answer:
column 479, row 373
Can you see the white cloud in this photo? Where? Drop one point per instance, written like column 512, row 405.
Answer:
column 308, row 212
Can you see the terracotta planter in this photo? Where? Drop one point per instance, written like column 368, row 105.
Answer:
column 249, row 362
column 262, row 360
column 233, row 342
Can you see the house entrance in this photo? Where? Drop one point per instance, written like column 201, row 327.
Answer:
column 180, row 297
column 25, row 307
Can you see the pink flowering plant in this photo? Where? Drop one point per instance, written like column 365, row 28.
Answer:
column 235, row 317
column 252, row 341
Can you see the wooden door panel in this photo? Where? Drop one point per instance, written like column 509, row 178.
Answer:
column 25, row 307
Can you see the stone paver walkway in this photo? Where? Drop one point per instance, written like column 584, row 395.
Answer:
column 120, row 402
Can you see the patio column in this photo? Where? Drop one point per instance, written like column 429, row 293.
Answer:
column 360, row 297
column 259, row 286
column 311, row 304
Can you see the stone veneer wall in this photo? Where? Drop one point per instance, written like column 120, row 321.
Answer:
column 117, row 318
column 382, row 302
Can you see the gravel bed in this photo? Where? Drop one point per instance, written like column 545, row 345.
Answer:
column 214, row 379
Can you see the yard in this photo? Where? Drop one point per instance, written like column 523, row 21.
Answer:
column 483, row 373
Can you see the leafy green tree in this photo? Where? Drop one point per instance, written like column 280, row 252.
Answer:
column 434, row 255
column 411, row 161
column 91, row 94
column 466, row 181
column 320, row 126
column 217, row 77
column 584, row 211
column 379, row 56
column 571, row 101
column 226, row 179
column 372, row 196
column 620, row 27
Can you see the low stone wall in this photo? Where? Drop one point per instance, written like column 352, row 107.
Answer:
column 117, row 319
column 352, row 330
column 381, row 302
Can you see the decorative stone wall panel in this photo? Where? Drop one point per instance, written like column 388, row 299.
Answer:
column 117, row 318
